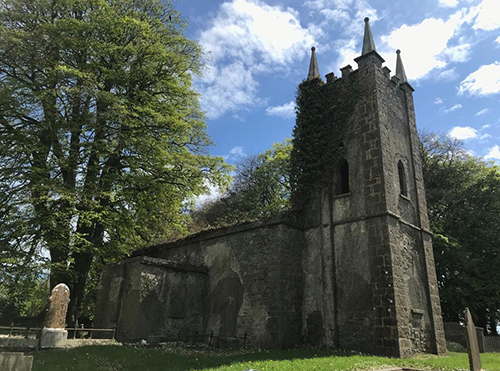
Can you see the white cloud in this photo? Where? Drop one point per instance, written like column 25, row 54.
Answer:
column 458, row 53
column 485, row 126
column 497, row 40
column 232, row 88
column 494, row 153
column 347, row 15
column 483, row 112
column 448, row 3
column 237, row 152
column 484, row 136
column 247, row 38
column 466, row 132
column 212, row 193
column 454, row 108
column 487, row 15
column 336, row 15
column 484, row 81
column 438, row 101
column 448, row 75
column 425, row 46
column 324, row 4
column 286, row 111
column 347, row 50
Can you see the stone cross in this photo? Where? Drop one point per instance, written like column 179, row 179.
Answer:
column 472, row 344
column 58, row 306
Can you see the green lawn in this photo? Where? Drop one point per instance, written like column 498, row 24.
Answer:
column 124, row 358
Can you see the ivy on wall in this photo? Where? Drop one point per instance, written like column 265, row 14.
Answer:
column 323, row 110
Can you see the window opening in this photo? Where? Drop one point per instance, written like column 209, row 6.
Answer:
column 344, row 176
column 402, row 179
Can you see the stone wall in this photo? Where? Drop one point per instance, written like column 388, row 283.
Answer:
column 144, row 296
column 254, row 270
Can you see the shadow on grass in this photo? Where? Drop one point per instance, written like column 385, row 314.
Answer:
column 111, row 357
column 126, row 358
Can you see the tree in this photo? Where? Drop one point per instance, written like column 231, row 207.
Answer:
column 463, row 196
column 261, row 188
column 102, row 140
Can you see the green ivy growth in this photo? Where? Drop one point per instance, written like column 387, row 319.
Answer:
column 322, row 112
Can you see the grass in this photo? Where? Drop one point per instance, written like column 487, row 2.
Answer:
column 125, row 358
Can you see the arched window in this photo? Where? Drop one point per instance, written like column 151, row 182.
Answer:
column 402, row 179
column 344, row 176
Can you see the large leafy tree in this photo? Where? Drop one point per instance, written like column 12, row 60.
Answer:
column 463, row 194
column 261, row 188
column 102, row 140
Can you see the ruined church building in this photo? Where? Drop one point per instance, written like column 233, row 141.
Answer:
column 355, row 270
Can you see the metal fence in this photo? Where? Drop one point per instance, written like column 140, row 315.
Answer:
column 76, row 332
column 491, row 343
column 211, row 339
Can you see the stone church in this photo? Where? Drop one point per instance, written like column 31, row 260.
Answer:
column 354, row 269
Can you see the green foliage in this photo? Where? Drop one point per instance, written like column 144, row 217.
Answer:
column 124, row 358
column 463, row 195
column 316, row 138
column 102, row 140
column 261, row 188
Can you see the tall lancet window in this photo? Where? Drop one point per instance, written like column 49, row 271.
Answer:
column 402, row 179
column 344, row 177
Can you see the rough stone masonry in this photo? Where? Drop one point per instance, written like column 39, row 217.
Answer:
column 353, row 269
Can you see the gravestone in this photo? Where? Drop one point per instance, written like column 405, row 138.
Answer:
column 13, row 361
column 53, row 332
column 472, row 344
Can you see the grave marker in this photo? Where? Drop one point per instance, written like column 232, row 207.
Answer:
column 472, row 344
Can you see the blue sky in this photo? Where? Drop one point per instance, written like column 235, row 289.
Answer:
column 257, row 52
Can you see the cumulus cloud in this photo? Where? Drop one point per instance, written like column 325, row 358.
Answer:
column 458, row 53
column 487, row 15
column 454, row 108
column 247, row 38
column 347, row 16
column 483, row 112
column 447, row 75
column 237, row 152
column 448, row 3
column 212, row 193
column 286, row 110
column 463, row 132
column 494, row 153
column 484, row 81
column 497, row 40
column 438, row 101
column 425, row 45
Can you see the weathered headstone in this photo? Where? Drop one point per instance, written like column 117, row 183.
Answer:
column 53, row 332
column 13, row 361
column 472, row 344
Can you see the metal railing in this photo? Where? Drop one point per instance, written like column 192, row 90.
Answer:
column 210, row 339
column 85, row 332
column 491, row 343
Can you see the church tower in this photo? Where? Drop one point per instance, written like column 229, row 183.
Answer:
column 369, row 275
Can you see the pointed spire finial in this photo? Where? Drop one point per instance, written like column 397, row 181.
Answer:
column 400, row 70
column 313, row 66
column 368, row 44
